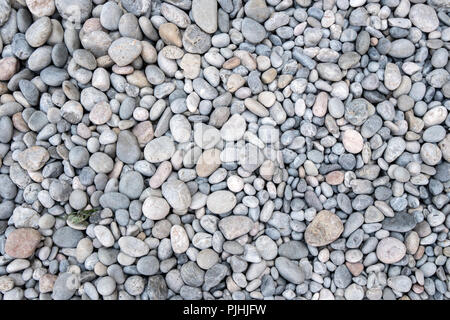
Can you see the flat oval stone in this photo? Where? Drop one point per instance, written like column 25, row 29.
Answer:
column 177, row 194
column 401, row 222
column 159, row 149
column 324, row 229
column 124, row 51
column 21, row 243
column 352, row 140
column 33, row 158
column 133, row 247
column 179, row 239
column 290, row 270
column 424, row 17
column 402, row 48
column 127, row 149
column 114, row 200
column 233, row 227
column 208, row 162
column 221, row 201
column 390, row 250
column 155, row 208
column 234, row 128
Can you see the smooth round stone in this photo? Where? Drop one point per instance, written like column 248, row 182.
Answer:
column 394, row 149
column 220, row 202
column 430, row 153
column 6, row 129
column 124, row 51
column 131, row 184
column 85, row 59
column 53, row 76
column 234, row 128
column 100, row 113
column 110, row 15
column 352, row 140
column 235, row 183
column 76, row 11
column 207, row 258
column 390, row 250
column 101, row 162
column 392, row 76
column 290, row 270
column 33, row 158
column 39, row 32
column 177, row 194
column 106, row 285
column 204, row 13
column 5, row 11
column 252, row 31
column 324, row 229
column 208, row 162
column 66, row 237
column 159, row 149
column 104, row 235
column 133, row 247
column 127, row 149
column 358, row 110
column 180, row 128
column 329, row 71
column 148, row 265
column 233, row 227
column 21, row 243
column 114, row 201
column 195, row 40
column 155, row 208
column 179, row 239
column 266, row 247
column 434, row 134
column 402, row 48
column 424, row 17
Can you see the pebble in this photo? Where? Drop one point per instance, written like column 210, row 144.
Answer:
column 352, row 140
column 179, row 239
column 22, row 243
column 124, row 51
column 324, row 229
column 390, row 250
column 233, row 227
column 220, row 202
column 133, row 247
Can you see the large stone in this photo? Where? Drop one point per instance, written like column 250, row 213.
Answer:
column 424, row 17
column 177, row 194
column 179, row 239
column 155, row 208
column 127, row 149
column 221, row 201
column 195, row 40
column 390, row 250
column 21, row 243
column 324, row 229
column 233, row 227
column 159, row 149
column 33, row 158
column 133, row 247
column 290, row 270
column 204, row 13
column 124, row 51
column 75, row 11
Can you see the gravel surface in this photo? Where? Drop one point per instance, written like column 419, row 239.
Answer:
column 229, row 149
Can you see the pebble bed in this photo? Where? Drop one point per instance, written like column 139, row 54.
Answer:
column 229, row 149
